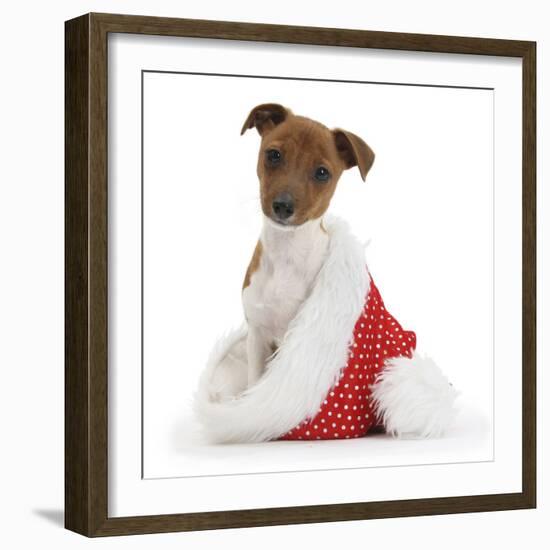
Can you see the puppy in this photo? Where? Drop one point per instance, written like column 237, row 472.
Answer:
column 299, row 164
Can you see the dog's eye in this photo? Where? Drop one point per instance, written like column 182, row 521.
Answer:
column 273, row 156
column 322, row 174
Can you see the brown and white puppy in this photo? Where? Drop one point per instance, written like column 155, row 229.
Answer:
column 299, row 164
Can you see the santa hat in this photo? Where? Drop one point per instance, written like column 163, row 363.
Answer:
column 344, row 366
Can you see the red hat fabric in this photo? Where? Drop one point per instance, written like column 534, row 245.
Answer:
column 348, row 410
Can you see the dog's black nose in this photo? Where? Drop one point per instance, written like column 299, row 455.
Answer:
column 283, row 206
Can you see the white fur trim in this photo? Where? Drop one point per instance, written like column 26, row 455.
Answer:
column 413, row 398
column 308, row 362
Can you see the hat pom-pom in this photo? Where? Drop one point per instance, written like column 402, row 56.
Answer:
column 413, row 398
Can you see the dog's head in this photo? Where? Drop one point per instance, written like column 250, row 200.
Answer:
column 300, row 162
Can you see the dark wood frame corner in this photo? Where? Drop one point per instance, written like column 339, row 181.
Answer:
column 86, row 273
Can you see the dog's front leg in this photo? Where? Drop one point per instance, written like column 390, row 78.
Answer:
column 258, row 351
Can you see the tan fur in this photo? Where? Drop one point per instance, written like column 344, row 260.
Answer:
column 254, row 264
column 305, row 145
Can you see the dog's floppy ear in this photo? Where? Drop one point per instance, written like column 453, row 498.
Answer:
column 265, row 117
column 353, row 151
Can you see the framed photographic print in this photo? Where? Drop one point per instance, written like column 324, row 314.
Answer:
column 300, row 274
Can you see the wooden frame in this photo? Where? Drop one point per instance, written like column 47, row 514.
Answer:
column 86, row 283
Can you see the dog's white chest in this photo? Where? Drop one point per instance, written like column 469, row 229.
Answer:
column 288, row 266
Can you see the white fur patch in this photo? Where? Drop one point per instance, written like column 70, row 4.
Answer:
column 289, row 263
column 413, row 398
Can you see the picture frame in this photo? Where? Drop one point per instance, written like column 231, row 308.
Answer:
column 87, row 436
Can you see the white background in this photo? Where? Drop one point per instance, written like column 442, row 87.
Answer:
column 31, row 297
column 427, row 208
